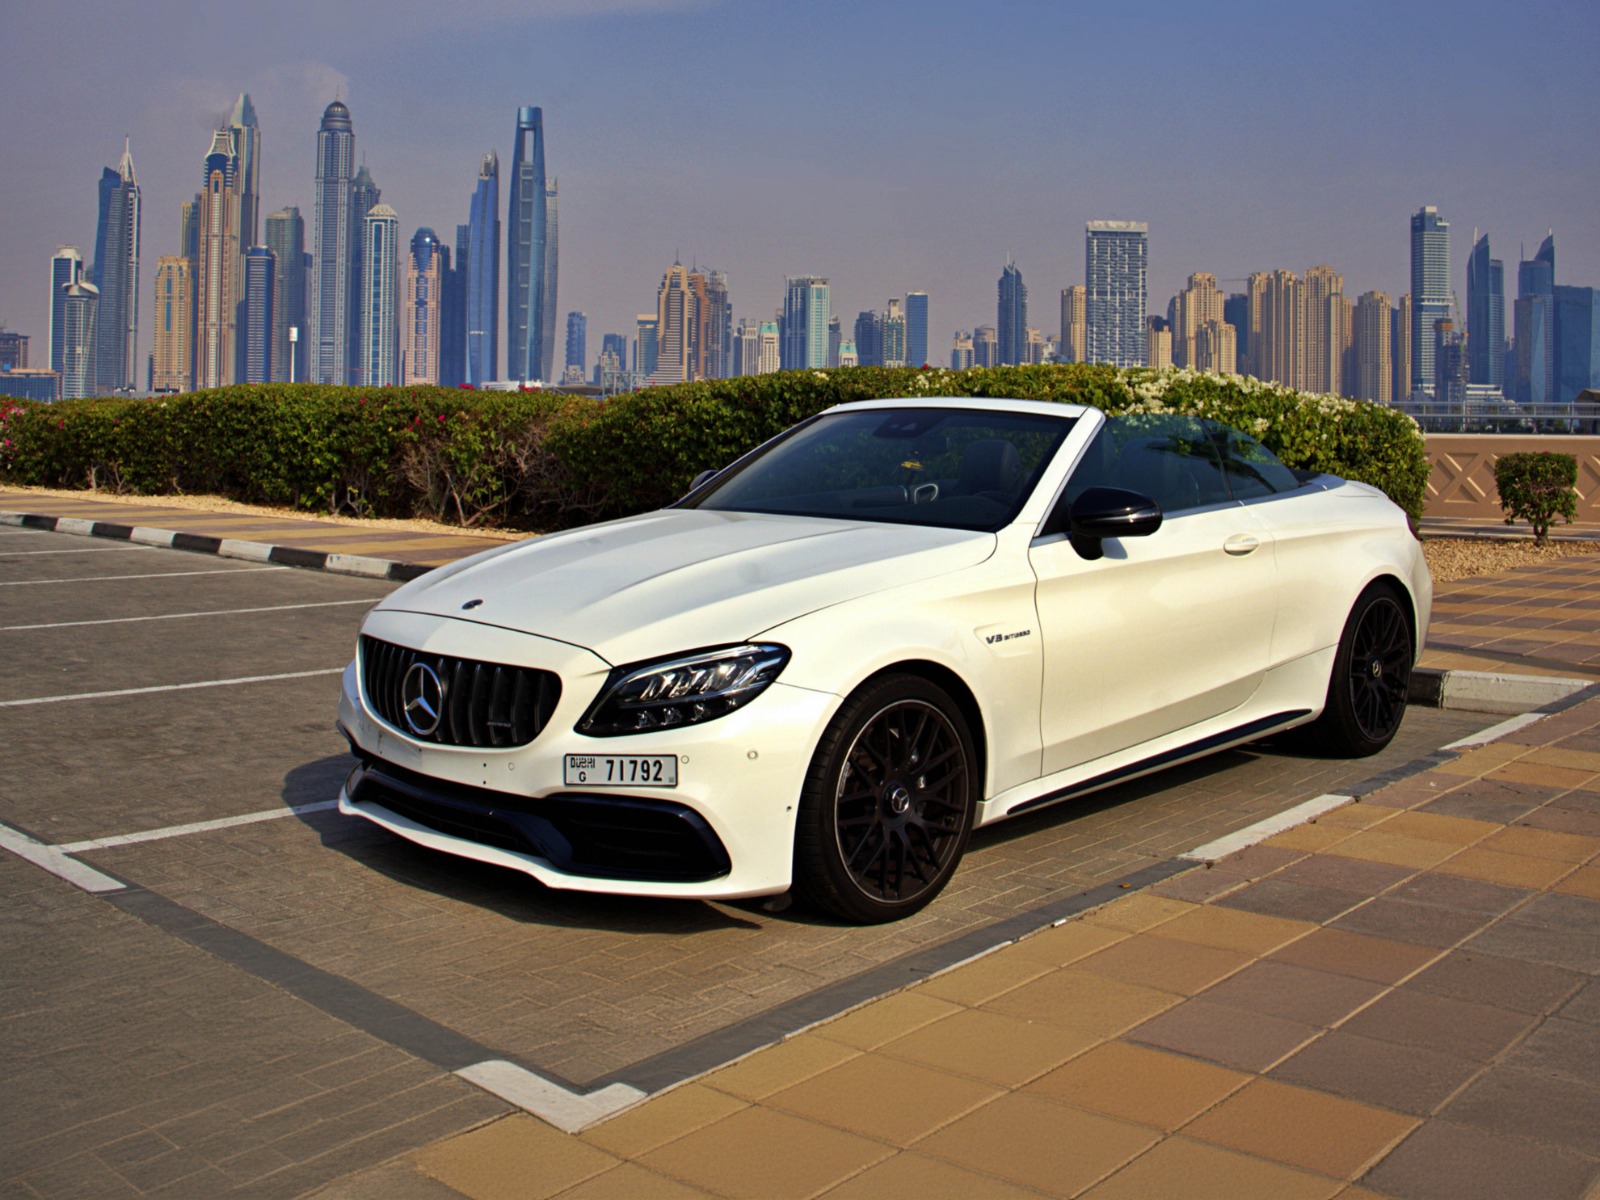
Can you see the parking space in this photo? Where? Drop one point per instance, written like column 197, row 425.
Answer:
column 275, row 975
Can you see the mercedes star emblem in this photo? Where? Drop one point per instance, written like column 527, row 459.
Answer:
column 422, row 692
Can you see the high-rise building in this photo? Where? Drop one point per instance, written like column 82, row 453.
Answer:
column 1535, row 337
column 1236, row 312
column 173, row 360
column 771, row 355
column 917, row 329
column 1450, row 364
column 1158, row 343
column 79, row 308
column 286, row 238
column 961, row 351
column 422, row 311
column 364, row 197
column 116, row 274
column 527, row 248
column 847, row 355
column 1191, row 308
column 552, row 257
column 483, row 275
column 1277, row 324
column 1323, row 368
column 746, row 346
column 985, row 347
column 1486, row 315
column 247, row 144
column 1074, row 323
column 259, row 315
column 334, row 242
column 1400, row 350
column 868, row 350
column 380, row 293
column 718, row 324
column 1216, row 348
column 1011, row 315
column 892, row 336
column 453, row 312
column 677, row 318
column 13, row 350
column 577, row 338
column 1430, row 290
column 645, row 344
column 219, row 284
column 803, row 327
column 1577, row 342
column 1374, row 375
column 1116, row 259
column 616, row 344
column 66, row 267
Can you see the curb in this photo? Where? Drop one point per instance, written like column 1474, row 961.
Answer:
column 1489, row 691
column 199, row 543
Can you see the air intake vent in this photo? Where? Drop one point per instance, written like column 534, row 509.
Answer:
column 456, row 701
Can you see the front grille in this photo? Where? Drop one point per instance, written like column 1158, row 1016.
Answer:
column 482, row 704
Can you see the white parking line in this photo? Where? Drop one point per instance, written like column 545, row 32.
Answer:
column 1484, row 736
column 153, row 575
column 55, row 860
column 567, row 1111
column 82, row 550
column 172, row 831
column 168, row 687
column 214, row 612
column 1261, row 830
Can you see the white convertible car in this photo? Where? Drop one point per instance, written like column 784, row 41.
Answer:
column 897, row 621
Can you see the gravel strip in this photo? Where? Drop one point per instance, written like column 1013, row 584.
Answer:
column 1461, row 558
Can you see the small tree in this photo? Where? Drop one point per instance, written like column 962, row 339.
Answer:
column 1537, row 488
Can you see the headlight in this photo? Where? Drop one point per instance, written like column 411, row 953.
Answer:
column 689, row 690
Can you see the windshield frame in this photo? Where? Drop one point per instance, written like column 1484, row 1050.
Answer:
column 923, row 515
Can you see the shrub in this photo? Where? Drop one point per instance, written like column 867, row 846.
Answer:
column 1537, row 487
column 545, row 460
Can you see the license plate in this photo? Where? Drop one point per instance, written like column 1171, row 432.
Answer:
column 621, row 770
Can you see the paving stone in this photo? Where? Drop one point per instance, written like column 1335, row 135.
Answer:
column 1225, row 929
column 665, row 1118
column 630, row 1182
column 1407, row 1079
column 759, row 1151
column 1085, row 1004
column 908, row 1101
column 1544, row 843
column 1556, row 930
column 1351, row 875
column 1197, row 1171
column 1497, row 982
column 1380, row 960
column 1138, row 1084
column 1234, row 1037
column 1300, row 994
column 1558, row 818
column 1533, row 1104
column 1163, row 963
column 1446, row 1161
column 1513, row 870
column 912, row 1174
column 1277, row 897
column 992, row 1047
column 780, row 1066
column 1420, row 924
column 1566, row 1045
column 1039, row 1144
column 1415, row 1018
column 512, row 1158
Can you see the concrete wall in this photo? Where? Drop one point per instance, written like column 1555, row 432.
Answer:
column 1462, row 481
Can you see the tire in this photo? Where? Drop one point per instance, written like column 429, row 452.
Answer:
column 1371, row 677
column 888, row 802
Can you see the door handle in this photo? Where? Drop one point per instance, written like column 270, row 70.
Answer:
column 1241, row 544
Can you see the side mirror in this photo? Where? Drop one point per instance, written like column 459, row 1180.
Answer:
column 1102, row 512
column 703, row 478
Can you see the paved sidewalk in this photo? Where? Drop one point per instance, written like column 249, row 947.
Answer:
column 1400, row 998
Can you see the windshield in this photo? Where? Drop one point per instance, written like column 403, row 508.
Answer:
column 957, row 468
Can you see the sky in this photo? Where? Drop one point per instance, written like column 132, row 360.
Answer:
column 889, row 145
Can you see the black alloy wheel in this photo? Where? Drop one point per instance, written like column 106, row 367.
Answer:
column 1371, row 677
column 889, row 802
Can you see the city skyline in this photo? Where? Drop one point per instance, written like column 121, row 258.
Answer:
column 869, row 210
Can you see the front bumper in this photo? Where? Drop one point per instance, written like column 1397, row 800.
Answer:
column 726, row 831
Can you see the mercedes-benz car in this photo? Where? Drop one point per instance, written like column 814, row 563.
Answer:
column 897, row 621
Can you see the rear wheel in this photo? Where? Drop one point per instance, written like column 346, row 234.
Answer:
column 888, row 802
column 1371, row 677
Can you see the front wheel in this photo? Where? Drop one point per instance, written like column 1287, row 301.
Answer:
column 1371, row 677
column 888, row 802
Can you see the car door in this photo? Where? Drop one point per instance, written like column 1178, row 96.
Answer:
column 1164, row 632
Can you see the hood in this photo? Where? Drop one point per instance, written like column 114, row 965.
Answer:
column 680, row 579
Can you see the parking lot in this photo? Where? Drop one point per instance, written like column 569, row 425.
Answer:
column 216, row 983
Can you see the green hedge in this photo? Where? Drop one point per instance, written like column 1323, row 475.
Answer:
column 545, row 461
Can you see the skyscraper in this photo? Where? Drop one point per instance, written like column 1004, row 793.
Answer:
column 526, row 249
column 577, row 342
column 1486, row 315
column 803, row 327
column 333, row 243
column 364, row 196
column 917, row 329
column 1216, row 348
column 647, row 326
column 80, row 302
column 453, row 313
column 259, row 315
column 218, row 283
column 66, row 267
column 1011, row 318
column 677, row 312
column 961, row 351
column 718, row 323
column 1278, row 328
column 483, row 275
column 1373, row 349
column 1323, row 367
column 1198, row 303
column 547, row 297
column 286, row 238
column 1236, row 312
column 247, row 144
column 380, row 266
column 1157, row 343
column 985, row 347
column 1074, row 323
column 116, row 274
column 1430, row 290
column 422, row 312
column 868, row 338
column 892, row 338
column 1116, row 257
column 1400, row 350
column 1536, row 326
column 746, row 347
column 1577, row 342
column 174, row 323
